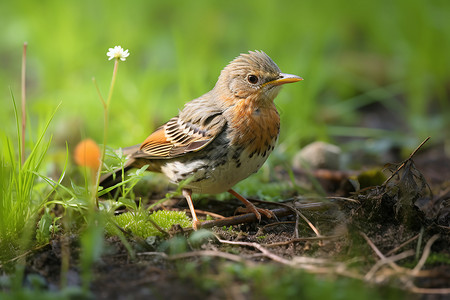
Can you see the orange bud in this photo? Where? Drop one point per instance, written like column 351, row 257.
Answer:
column 87, row 153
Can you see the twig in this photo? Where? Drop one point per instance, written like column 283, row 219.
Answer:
column 372, row 245
column 311, row 206
column 278, row 223
column 316, row 231
column 246, row 218
column 23, row 254
column 405, row 161
column 165, row 233
column 303, row 239
column 286, row 210
column 297, row 223
column 153, row 253
column 426, row 253
column 378, row 252
column 401, row 245
column 298, row 213
column 314, row 265
column 228, row 256
column 257, row 246
column 204, row 212
column 385, row 261
column 343, row 198
column 438, row 291
column 212, row 253
column 419, row 243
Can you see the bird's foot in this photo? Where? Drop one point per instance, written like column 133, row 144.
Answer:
column 187, row 193
column 250, row 207
column 256, row 211
column 196, row 224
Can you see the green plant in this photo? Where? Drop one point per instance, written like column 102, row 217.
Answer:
column 392, row 54
column 21, row 201
column 141, row 224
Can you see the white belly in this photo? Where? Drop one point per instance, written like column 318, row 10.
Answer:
column 204, row 176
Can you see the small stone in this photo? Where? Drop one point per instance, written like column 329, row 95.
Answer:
column 318, row 155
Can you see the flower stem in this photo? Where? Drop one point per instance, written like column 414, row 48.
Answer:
column 106, row 106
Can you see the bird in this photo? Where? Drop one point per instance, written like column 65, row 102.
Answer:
column 219, row 138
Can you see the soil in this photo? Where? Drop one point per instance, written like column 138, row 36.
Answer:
column 379, row 216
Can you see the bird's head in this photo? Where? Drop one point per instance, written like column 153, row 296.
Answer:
column 252, row 75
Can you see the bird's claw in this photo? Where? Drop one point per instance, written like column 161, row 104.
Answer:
column 256, row 211
column 196, row 224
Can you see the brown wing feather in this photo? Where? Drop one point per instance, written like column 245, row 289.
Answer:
column 155, row 144
column 178, row 137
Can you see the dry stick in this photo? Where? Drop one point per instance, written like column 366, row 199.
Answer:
column 24, row 115
column 277, row 223
column 415, row 272
column 257, row 246
column 444, row 227
column 402, row 245
column 152, row 253
column 311, row 264
column 164, row 233
column 425, row 254
column 204, row 212
column 309, row 205
column 378, row 252
column 404, row 162
column 297, row 212
column 23, row 255
column 308, row 263
column 437, row 291
column 249, row 218
column 420, row 264
column 246, row 218
column 303, row 239
column 343, row 198
column 419, row 242
column 297, row 223
column 229, row 256
column 316, row 231
column 388, row 260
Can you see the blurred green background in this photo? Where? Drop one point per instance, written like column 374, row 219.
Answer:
column 375, row 70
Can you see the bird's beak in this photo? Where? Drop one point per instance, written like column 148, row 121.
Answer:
column 284, row 78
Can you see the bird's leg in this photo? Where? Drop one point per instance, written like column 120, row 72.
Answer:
column 187, row 193
column 250, row 207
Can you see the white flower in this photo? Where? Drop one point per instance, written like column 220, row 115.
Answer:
column 117, row 52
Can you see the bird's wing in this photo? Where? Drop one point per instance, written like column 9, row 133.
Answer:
column 182, row 135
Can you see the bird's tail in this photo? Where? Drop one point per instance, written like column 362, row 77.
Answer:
column 113, row 178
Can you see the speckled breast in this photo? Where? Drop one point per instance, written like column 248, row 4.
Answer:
column 218, row 167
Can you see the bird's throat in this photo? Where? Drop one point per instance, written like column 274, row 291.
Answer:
column 253, row 125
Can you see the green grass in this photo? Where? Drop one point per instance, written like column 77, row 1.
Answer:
column 21, row 195
column 394, row 53
column 391, row 53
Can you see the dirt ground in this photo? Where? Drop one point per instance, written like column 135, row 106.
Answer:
column 378, row 219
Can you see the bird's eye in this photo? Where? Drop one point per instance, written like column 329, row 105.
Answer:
column 253, row 79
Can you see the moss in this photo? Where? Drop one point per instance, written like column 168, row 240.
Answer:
column 138, row 222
